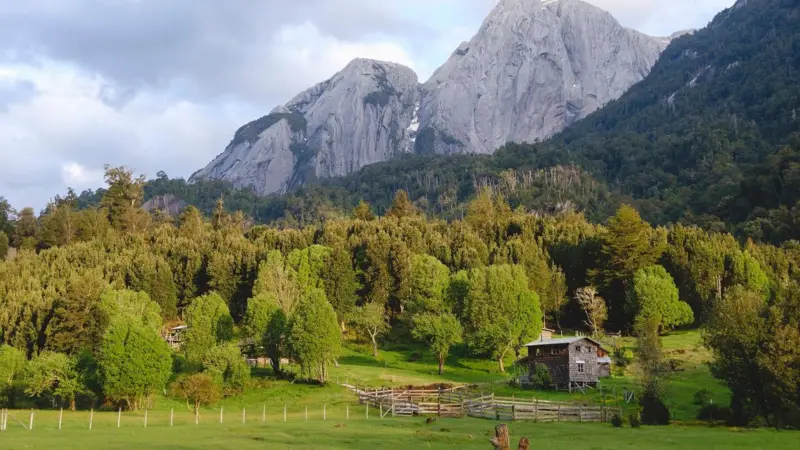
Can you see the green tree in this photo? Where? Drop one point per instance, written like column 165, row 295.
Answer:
column 653, row 371
column 3, row 246
column 401, row 206
column 163, row 290
column 25, row 230
column 134, row 362
column 131, row 306
column 277, row 278
column 123, row 198
column 341, row 284
column 198, row 390
column 439, row 331
column 257, row 317
column 12, row 367
column 227, row 367
column 53, row 374
column 628, row 245
column 314, row 338
column 370, row 320
column 501, row 312
column 363, row 211
column 734, row 333
column 209, row 323
column 430, row 280
column 747, row 272
column 655, row 295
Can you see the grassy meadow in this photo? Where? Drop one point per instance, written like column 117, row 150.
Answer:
column 328, row 425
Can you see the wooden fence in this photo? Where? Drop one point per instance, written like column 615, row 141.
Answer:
column 458, row 402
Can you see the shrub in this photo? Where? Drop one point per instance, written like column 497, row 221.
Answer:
column 540, row 378
column 634, row 420
column 702, row 397
column 654, row 411
column 714, row 413
column 616, row 421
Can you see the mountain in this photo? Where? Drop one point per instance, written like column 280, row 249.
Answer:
column 711, row 136
column 360, row 116
column 532, row 69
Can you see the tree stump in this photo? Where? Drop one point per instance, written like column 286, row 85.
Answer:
column 502, row 440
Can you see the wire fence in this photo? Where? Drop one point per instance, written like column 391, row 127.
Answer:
column 62, row 419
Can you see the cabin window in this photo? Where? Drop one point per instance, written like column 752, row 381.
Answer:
column 578, row 348
column 580, row 367
column 553, row 351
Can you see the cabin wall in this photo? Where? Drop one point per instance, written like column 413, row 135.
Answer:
column 587, row 352
column 557, row 364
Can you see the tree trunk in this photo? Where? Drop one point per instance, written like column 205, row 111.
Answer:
column 441, row 365
column 502, row 366
column 374, row 345
column 344, row 327
column 72, row 404
column 276, row 365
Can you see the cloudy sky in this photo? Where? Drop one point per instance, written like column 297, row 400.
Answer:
column 164, row 84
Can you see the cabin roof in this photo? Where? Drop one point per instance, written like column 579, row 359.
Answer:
column 561, row 341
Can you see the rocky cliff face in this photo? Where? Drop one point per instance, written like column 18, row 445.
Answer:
column 362, row 115
column 534, row 68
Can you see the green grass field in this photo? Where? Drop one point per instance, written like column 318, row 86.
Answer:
column 395, row 367
column 359, row 433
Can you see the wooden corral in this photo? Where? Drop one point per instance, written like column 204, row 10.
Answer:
column 458, row 402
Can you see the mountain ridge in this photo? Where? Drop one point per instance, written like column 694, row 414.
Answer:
column 554, row 73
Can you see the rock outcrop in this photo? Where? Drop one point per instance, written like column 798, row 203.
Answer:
column 362, row 115
column 534, row 68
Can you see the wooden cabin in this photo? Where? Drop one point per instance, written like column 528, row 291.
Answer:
column 573, row 362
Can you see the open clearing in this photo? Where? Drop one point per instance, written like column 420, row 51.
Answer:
column 395, row 367
column 387, row 433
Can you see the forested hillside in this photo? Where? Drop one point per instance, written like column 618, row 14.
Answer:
column 710, row 137
column 86, row 298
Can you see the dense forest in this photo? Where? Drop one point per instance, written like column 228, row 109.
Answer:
column 84, row 302
column 711, row 137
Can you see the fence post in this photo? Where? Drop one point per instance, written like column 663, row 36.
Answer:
column 264, row 413
column 221, row 411
column 580, row 413
column 367, row 410
column 347, row 412
column 171, row 415
column 536, row 410
column 91, row 418
column 324, row 411
column 439, row 403
column 381, row 409
column 60, row 416
column 513, row 412
column 558, row 419
column 145, row 417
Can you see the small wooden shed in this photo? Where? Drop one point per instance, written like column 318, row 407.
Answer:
column 573, row 362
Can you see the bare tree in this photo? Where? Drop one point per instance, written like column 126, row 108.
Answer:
column 594, row 306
